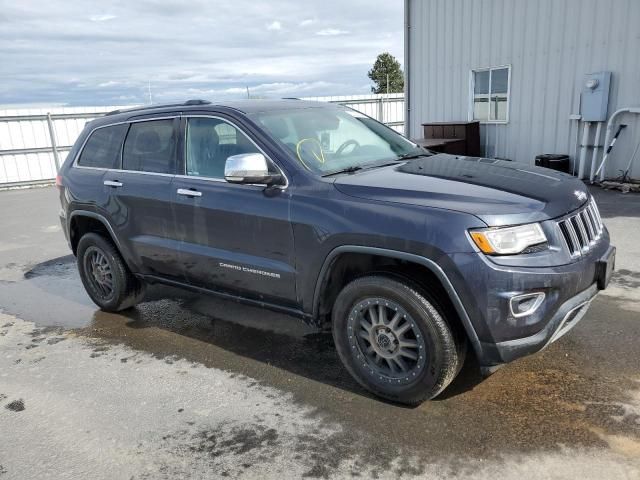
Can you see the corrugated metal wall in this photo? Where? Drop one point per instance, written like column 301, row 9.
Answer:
column 550, row 45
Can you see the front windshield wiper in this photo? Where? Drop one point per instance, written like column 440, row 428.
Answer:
column 356, row 168
column 412, row 155
column 353, row 168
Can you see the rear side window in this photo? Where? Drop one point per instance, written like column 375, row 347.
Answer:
column 102, row 150
column 150, row 147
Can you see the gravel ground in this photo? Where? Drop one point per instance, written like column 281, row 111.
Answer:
column 191, row 387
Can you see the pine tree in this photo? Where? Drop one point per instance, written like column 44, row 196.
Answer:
column 386, row 64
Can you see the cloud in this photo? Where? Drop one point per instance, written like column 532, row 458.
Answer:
column 274, row 26
column 331, row 32
column 102, row 18
column 206, row 49
column 110, row 83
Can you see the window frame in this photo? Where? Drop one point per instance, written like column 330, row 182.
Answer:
column 182, row 169
column 181, row 164
column 177, row 133
column 472, row 94
column 176, row 148
column 76, row 161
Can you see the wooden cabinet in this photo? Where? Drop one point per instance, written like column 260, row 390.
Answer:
column 456, row 138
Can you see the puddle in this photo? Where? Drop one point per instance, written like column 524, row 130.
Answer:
column 573, row 393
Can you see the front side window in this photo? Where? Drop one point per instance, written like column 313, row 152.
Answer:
column 329, row 139
column 210, row 141
column 490, row 102
column 102, row 150
column 150, row 147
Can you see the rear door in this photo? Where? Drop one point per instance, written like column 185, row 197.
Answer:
column 140, row 195
column 99, row 154
column 235, row 238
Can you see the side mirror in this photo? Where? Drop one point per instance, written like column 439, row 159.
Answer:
column 249, row 168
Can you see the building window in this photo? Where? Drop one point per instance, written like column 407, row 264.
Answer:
column 490, row 97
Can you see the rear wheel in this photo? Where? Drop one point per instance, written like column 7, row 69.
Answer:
column 105, row 276
column 393, row 339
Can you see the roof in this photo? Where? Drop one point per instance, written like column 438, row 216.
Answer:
column 244, row 106
column 257, row 106
column 248, row 106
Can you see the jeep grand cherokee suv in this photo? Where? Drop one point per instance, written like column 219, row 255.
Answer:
column 319, row 211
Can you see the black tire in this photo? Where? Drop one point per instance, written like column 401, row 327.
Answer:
column 115, row 290
column 425, row 376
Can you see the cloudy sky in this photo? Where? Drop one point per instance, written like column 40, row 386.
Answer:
column 83, row 52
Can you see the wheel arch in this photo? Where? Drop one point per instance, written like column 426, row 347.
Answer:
column 333, row 261
column 83, row 221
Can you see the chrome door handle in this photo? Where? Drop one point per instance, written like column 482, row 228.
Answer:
column 189, row 193
column 112, row 183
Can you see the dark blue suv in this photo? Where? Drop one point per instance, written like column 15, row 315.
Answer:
column 321, row 212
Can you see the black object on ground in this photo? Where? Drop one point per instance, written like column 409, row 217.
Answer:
column 553, row 161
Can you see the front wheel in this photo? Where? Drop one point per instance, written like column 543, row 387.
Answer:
column 393, row 340
column 105, row 276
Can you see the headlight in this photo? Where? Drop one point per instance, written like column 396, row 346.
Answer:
column 509, row 240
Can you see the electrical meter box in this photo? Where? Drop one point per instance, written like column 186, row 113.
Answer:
column 594, row 98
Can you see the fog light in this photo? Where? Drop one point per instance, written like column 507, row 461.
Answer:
column 526, row 304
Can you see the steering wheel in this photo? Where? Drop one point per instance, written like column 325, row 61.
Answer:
column 346, row 145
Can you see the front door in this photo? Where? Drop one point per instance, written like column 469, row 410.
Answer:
column 235, row 238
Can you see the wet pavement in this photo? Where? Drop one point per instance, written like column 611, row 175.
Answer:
column 190, row 386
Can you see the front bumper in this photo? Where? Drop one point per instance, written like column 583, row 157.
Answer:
column 485, row 289
column 565, row 318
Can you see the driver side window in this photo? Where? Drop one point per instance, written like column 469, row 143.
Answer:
column 209, row 142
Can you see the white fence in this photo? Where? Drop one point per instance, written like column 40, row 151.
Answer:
column 388, row 109
column 34, row 142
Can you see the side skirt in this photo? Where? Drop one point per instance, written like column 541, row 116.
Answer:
column 294, row 312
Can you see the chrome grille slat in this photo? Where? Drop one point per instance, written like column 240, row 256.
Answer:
column 596, row 218
column 582, row 229
column 594, row 224
column 595, row 209
column 582, row 235
column 574, row 238
column 587, row 223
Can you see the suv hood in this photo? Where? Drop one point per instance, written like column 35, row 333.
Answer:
column 499, row 192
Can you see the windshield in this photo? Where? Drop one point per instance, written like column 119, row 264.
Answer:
column 331, row 139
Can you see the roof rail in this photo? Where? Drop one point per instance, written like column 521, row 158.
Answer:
column 166, row 105
column 290, row 98
column 197, row 102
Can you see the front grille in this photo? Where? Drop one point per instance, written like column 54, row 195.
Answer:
column 582, row 230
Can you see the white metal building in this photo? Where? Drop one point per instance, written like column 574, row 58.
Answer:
column 519, row 67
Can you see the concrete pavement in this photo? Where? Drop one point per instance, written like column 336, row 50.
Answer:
column 191, row 387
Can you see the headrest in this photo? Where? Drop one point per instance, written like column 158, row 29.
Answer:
column 148, row 142
column 201, row 131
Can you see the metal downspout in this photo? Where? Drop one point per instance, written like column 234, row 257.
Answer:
column 407, row 66
column 583, row 148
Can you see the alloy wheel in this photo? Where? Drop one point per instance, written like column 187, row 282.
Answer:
column 99, row 272
column 386, row 340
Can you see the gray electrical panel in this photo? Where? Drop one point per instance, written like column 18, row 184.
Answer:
column 594, row 98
